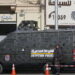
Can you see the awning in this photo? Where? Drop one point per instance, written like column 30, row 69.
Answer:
column 8, row 22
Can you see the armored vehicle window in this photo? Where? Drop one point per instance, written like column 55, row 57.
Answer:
column 28, row 25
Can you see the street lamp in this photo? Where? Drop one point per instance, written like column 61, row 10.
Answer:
column 56, row 14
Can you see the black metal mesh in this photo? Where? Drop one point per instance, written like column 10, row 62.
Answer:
column 16, row 41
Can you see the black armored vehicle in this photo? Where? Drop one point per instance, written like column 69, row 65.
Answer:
column 31, row 47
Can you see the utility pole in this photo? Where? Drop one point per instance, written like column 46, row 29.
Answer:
column 56, row 14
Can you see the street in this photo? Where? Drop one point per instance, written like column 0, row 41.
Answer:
column 40, row 74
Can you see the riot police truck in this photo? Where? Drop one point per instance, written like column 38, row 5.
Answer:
column 33, row 47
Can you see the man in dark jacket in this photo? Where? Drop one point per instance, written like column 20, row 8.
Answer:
column 58, row 57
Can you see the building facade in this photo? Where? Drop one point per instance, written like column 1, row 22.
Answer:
column 13, row 12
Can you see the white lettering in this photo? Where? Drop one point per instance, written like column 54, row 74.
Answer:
column 42, row 53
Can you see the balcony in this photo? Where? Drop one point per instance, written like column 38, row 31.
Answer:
column 7, row 2
column 27, row 3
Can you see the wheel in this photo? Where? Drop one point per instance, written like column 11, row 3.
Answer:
column 53, row 69
column 1, row 68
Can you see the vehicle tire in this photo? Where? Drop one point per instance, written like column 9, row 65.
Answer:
column 53, row 69
column 1, row 68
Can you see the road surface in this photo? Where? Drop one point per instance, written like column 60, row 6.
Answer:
column 40, row 74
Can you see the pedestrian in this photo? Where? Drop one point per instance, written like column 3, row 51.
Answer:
column 58, row 55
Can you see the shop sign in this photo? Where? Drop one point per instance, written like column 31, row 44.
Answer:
column 66, row 12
